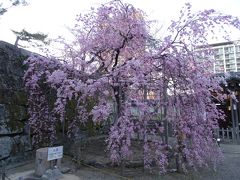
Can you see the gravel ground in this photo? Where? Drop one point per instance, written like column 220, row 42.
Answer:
column 229, row 168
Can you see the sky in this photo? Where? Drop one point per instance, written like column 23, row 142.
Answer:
column 53, row 17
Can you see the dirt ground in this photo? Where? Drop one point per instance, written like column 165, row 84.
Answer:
column 227, row 169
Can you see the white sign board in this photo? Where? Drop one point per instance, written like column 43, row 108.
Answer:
column 55, row 153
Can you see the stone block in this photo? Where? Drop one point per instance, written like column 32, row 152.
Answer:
column 26, row 142
column 5, row 95
column 13, row 102
column 11, row 96
column 9, row 127
column 65, row 170
column 5, row 129
column 19, row 98
column 16, row 112
column 20, row 144
column 41, row 162
column 12, row 119
column 5, row 147
column 2, row 113
column 52, row 174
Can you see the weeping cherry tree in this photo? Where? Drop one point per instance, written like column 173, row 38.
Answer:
column 143, row 84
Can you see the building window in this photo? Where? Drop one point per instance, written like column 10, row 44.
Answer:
column 218, row 51
column 228, row 49
column 237, row 48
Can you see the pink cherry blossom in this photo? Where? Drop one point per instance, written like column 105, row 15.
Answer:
column 115, row 71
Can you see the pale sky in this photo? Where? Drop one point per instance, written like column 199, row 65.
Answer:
column 54, row 16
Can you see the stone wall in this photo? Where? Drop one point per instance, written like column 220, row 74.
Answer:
column 14, row 138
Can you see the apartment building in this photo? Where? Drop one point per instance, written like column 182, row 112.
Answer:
column 227, row 57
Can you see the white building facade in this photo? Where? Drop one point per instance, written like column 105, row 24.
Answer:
column 227, row 57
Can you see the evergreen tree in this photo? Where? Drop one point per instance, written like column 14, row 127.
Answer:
column 34, row 39
column 4, row 8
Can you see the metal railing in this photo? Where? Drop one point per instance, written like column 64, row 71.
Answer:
column 228, row 134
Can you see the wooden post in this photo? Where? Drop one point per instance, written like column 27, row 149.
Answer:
column 227, row 134
column 236, row 120
column 232, row 134
column 223, row 133
column 237, row 114
column 218, row 135
column 233, row 119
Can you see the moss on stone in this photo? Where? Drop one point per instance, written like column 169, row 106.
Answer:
column 19, row 98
